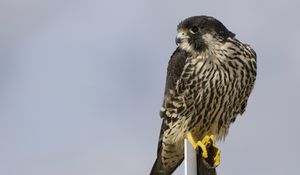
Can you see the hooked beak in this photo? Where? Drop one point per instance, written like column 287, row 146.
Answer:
column 181, row 37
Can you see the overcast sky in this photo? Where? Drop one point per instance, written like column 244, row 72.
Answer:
column 81, row 84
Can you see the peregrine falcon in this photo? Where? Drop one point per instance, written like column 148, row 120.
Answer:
column 209, row 79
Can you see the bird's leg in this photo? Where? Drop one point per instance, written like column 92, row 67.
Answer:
column 204, row 144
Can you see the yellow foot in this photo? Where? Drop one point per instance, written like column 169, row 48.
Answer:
column 206, row 143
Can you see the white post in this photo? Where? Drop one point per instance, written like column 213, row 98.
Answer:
column 190, row 159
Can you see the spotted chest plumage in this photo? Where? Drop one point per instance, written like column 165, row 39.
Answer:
column 212, row 89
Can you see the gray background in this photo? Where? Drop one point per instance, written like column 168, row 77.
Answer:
column 82, row 84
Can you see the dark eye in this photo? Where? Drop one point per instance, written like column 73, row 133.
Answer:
column 194, row 29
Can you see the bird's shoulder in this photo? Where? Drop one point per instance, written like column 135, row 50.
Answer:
column 175, row 68
column 247, row 50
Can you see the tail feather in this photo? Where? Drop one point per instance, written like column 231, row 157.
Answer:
column 173, row 152
column 159, row 169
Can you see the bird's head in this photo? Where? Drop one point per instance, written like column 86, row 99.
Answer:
column 199, row 33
